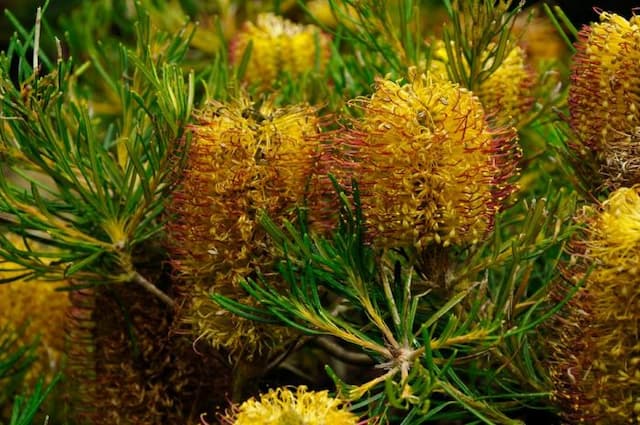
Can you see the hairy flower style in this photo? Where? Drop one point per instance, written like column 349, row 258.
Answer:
column 432, row 168
column 279, row 46
column 283, row 406
column 506, row 94
column 597, row 375
column 244, row 160
column 38, row 307
column 604, row 99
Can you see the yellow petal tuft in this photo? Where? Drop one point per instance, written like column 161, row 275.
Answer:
column 283, row 406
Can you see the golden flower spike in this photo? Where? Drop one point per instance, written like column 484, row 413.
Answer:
column 604, row 101
column 244, row 159
column 42, row 310
column 279, row 46
column 433, row 171
column 596, row 360
column 283, row 406
column 506, row 94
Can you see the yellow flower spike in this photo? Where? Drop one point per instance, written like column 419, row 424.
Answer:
column 243, row 159
column 506, row 94
column 38, row 306
column 539, row 37
column 279, row 46
column 283, row 406
column 432, row 169
column 597, row 359
column 604, row 101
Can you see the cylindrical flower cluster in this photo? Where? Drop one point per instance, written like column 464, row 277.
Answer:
column 37, row 311
column 279, row 46
column 432, row 169
column 245, row 160
column 604, row 96
column 506, row 94
column 596, row 369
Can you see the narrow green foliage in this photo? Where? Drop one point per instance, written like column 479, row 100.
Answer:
column 25, row 408
column 423, row 343
column 563, row 25
column 15, row 358
column 477, row 39
column 89, row 186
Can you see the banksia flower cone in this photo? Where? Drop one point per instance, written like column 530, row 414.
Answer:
column 279, row 46
column 433, row 171
column 37, row 307
column 283, row 406
column 245, row 160
column 506, row 94
column 604, row 97
column 596, row 372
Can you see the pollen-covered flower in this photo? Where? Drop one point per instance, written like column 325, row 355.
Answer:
column 506, row 94
column 597, row 364
column 283, row 406
column 604, row 100
column 244, row 159
column 432, row 168
column 279, row 46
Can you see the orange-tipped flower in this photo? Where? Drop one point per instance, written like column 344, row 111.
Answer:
column 283, row 406
column 279, row 46
column 597, row 362
column 244, row 160
column 432, row 168
column 604, row 99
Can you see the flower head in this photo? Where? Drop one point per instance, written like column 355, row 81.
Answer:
column 125, row 365
column 596, row 372
column 283, row 406
column 604, row 100
column 41, row 310
column 279, row 46
column 506, row 94
column 432, row 168
column 244, row 159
